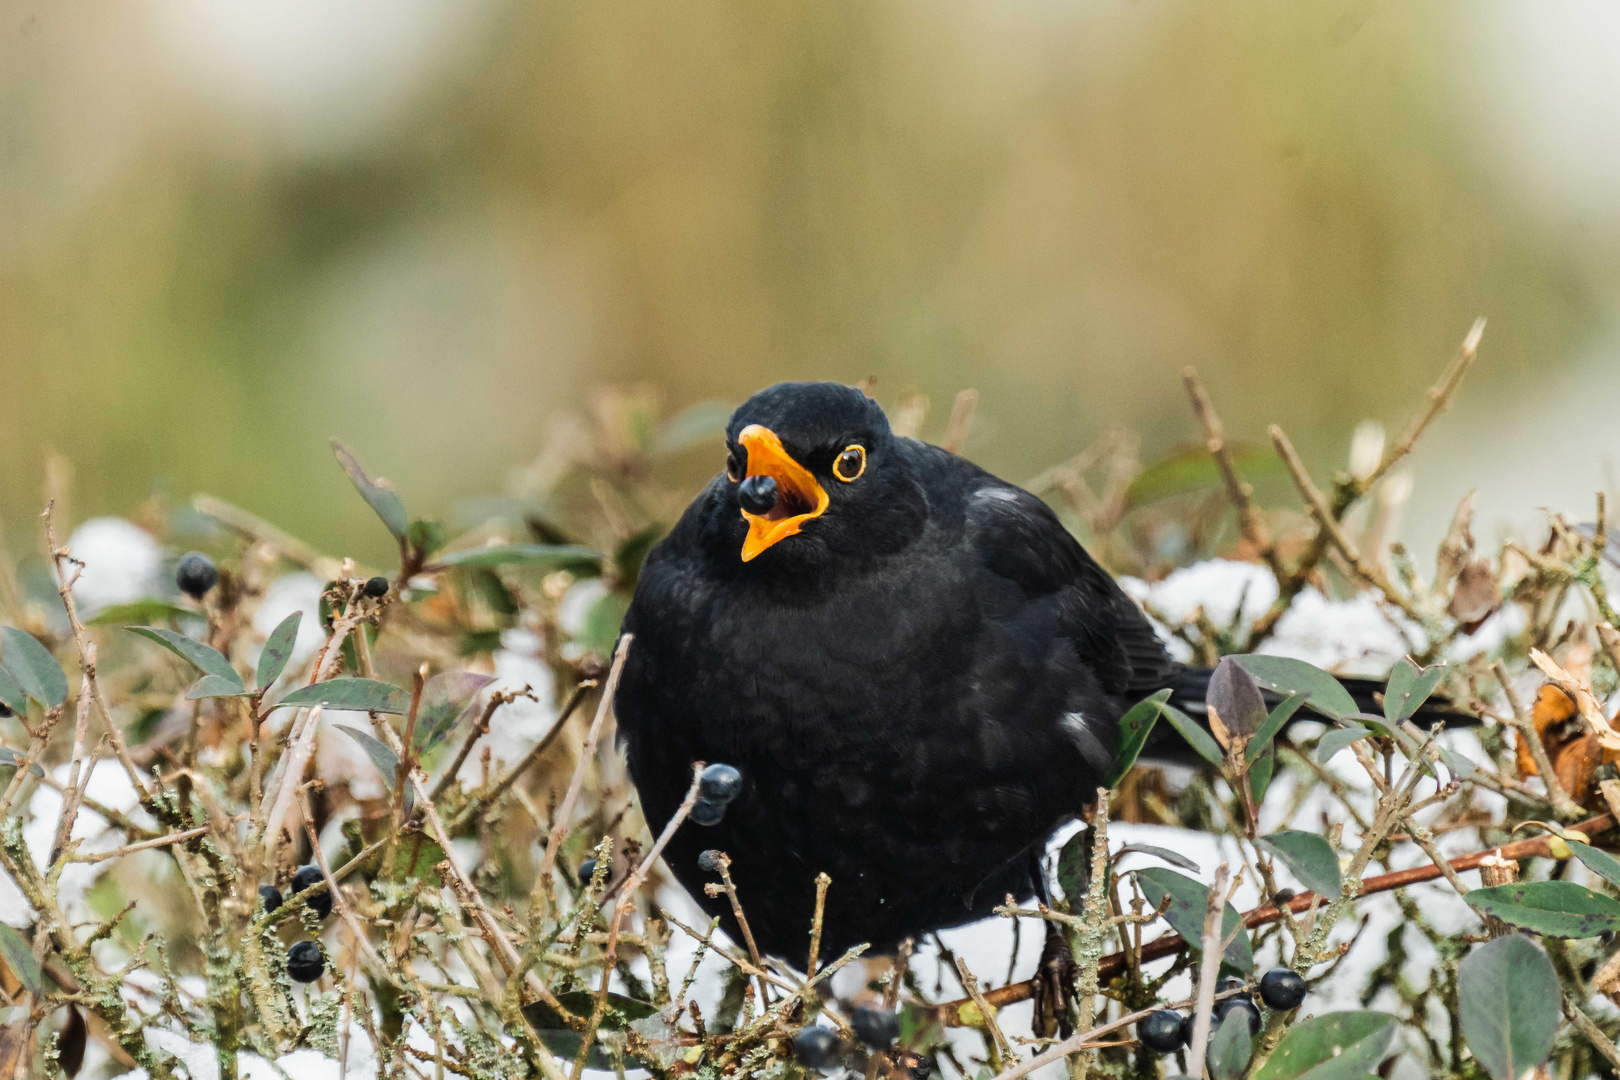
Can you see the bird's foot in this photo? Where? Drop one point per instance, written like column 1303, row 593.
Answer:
column 1054, row 986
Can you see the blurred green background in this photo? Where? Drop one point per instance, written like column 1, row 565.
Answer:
column 230, row 229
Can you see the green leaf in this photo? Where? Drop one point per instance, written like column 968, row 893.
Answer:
column 425, row 536
column 1339, row 738
column 445, row 697
column 200, row 656
column 1134, row 728
column 1311, row 859
column 19, row 957
column 1260, row 774
column 12, row 694
column 1409, row 687
column 1074, row 867
column 571, row 557
column 278, row 649
column 1334, row 1046
column 1229, row 1048
column 1507, row 1001
column 1192, row 731
column 1601, row 863
column 1286, row 675
column 1194, row 469
column 696, row 423
column 357, row 695
column 380, row 753
column 1189, row 902
column 210, row 686
column 1560, row 909
column 33, row 667
column 1457, row 763
column 1174, row 858
column 379, row 493
column 141, row 611
column 602, row 623
column 1275, row 720
column 9, row 758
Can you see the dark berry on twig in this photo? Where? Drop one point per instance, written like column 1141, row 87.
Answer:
column 195, row 574
column 1161, row 1031
column 1282, row 989
column 305, row 962
column 270, row 897
column 307, row 876
column 720, row 783
column 1282, row 896
column 587, row 870
column 877, row 1028
column 1228, row 983
column 709, row 861
column 377, row 587
column 816, row 1048
column 708, row 812
column 757, row 494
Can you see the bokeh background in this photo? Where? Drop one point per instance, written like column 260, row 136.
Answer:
column 230, row 229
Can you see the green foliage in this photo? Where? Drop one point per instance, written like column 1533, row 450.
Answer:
column 1508, row 997
column 379, row 494
column 1189, row 901
column 278, row 649
column 1286, row 675
column 1134, row 728
column 19, row 957
column 1229, row 1047
column 445, row 698
column 1336, row 1046
column 1200, row 740
column 32, row 668
column 1310, row 857
column 1559, row 909
column 357, row 695
column 1409, row 687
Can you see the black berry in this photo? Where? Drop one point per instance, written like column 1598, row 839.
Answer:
column 1282, row 989
column 1187, row 1023
column 877, row 1028
column 757, row 494
column 305, row 962
column 1161, row 1031
column 708, row 812
column 320, row 903
column 1224, row 1009
column 376, row 587
column 709, row 861
column 195, row 574
column 587, row 870
column 1282, row 896
column 720, row 783
column 270, row 897
column 816, row 1048
column 1228, row 983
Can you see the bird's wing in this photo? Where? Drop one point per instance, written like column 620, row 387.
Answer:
column 1017, row 537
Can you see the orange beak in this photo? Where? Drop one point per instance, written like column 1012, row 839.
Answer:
column 798, row 497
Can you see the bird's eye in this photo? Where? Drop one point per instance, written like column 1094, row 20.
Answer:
column 851, row 463
column 736, row 464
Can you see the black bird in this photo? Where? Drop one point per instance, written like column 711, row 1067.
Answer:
column 914, row 665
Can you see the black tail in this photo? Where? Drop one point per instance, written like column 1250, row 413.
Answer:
column 1189, row 685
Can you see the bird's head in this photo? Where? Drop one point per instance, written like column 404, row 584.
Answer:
column 812, row 468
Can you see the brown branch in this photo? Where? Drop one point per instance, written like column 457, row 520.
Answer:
column 1440, row 395
column 1251, row 523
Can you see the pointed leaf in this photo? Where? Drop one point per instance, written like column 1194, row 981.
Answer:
column 1311, row 859
column 1260, row 772
column 1458, row 763
column 1601, row 863
column 1234, row 698
column 33, row 667
column 382, row 756
column 1275, row 720
column 1189, row 901
column 200, row 656
column 19, row 957
column 571, row 557
column 379, row 494
column 1134, row 728
column 1507, row 998
column 1409, row 687
column 425, row 536
column 9, row 758
column 1074, row 866
column 141, row 611
column 445, row 697
column 1229, row 1048
column 1192, row 731
column 278, row 649
column 1286, row 675
column 210, row 686
column 1560, row 909
column 357, row 695
column 1339, row 738
column 12, row 694
column 1174, row 858
column 1334, row 1046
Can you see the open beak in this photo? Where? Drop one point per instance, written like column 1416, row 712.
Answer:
column 798, row 497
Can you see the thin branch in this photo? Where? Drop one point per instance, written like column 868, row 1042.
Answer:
column 1251, row 523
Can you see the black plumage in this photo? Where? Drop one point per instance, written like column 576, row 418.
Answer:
column 919, row 680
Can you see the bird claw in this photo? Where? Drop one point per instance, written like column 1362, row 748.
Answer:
column 1054, row 986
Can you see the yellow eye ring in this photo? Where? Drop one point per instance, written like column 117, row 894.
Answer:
column 851, row 463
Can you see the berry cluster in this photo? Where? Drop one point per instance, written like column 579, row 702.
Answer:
column 717, row 789
column 1167, row 1031
column 305, row 961
column 819, row 1048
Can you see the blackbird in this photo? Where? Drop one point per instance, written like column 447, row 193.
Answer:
column 915, row 667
